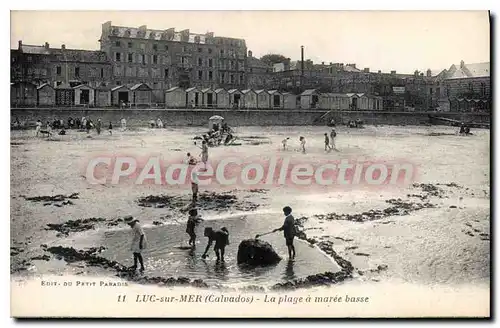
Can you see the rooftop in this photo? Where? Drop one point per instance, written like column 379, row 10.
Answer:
column 64, row 54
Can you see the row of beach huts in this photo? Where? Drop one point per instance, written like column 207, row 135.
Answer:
column 25, row 94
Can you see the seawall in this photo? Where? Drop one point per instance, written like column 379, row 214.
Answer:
column 199, row 117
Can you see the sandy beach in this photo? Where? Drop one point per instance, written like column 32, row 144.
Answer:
column 434, row 231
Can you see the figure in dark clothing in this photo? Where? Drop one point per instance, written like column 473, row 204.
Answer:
column 110, row 128
column 193, row 221
column 221, row 239
column 462, row 129
column 78, row 124
column 88, row 126
column 288, row 228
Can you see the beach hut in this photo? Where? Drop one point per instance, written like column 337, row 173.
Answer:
column 84, row 95
column 375, row 103
column 235, row 96
column 289, row 101
column 262, row 99
column 275, row 99
column 23, row 94
column 194, row 97
column 222, row 98
column 141, row 94
column 309, row 99
column 215, row 122
column 353, row 101
column 326, row 101
column 46, row 95
column 121, row 95
column 175, row 98
column 103, row 96
column 208, row 98
column 339, row 101
column 249, row 99
column 65, row 95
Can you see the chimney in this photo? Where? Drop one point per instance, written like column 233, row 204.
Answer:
column 20, row 44
column 209, row 35
column 429, row 73
column 302, row 60
column 47, row 46
column 250, row 54
column 143, row 27
column 63, row 47
column 393, row 72
column 366, row 70
column 462, row 64
column 323, row 63
column 379, row 71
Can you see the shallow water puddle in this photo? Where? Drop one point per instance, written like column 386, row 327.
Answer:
column 164, row 257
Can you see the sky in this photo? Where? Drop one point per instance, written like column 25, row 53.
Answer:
column 404, row 41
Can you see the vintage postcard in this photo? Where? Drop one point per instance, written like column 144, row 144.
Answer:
column 321, row 164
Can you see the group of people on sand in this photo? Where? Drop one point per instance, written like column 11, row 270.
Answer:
column 219, row 238
column 84, row 123
column 329, row 142
column 464, row 130
column 158, row 123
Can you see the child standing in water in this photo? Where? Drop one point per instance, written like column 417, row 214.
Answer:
column 192, row 222
column 327, row 143
column 303, row 144
column 221, row 238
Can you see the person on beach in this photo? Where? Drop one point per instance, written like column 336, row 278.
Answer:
column 123, row 122
column 333, row 135
column 194, row 190
column 38, row 127
column 190, row 159
column 98, row 126
column 303, row 144
column 88, row 126
column 288, row 228
column 138, row 243
column 221, row 238
column 159, row 123
column 285, row 142
column 110, row 128
column 204, row 152
column 49, row 129
column 327, row 143
column 193, row 220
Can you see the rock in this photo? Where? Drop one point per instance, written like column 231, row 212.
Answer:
column 256, row 252
column 453, row 206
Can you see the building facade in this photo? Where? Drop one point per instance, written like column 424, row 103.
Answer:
column 59, row 66
column 167, row 58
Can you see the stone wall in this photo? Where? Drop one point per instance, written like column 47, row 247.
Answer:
column 171, row 117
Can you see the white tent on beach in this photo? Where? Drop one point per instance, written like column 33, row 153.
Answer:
column 215, row 120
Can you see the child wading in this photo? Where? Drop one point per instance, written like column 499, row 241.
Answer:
column 221, row 238
column 138, row 243
column 192, row 222
column 333, row 135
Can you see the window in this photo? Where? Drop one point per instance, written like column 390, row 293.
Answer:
column 471, row 87
column 222, row 52
column 166, row 47
column 200, row 75
column 209, row 50
column 183, row 48
column 130, row 45
column 143, row 59
column 155, row 59
column 155, row 47
column 143, row 46
column 200, row 50
column 130, row 58
column 102, row 72
column 231, row 79
column 242, row 79
column 431, row 91
column 166, row 72
column 29, row 58
column 210, row 75
column 77, row 71
column 483, row 89
column 118, row 56
column 200, row 62
column 118, row 44
column 210, row 62
column 183, row 60
column 155, row 84
column 58, row 70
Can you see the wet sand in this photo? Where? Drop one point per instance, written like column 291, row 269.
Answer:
column 435, row 233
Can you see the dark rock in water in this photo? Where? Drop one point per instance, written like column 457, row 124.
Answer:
column 57, row 200
column 41, row 258
column 157, row 223
column 256, row 252
column 74, row 225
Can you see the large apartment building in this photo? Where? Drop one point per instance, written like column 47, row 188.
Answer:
column 168, row 58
